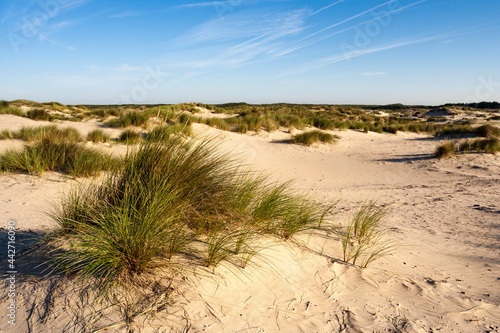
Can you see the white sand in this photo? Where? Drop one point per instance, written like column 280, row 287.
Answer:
column 444, row 215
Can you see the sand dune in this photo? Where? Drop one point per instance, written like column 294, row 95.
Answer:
column 444, row 216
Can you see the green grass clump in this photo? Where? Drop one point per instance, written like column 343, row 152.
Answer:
column 445, row 150
column 218, row 123
column 324, row 124
column 491, row 145
column 133, row 118
column 242, row 128
column 130, row 137
column 163, row 133
column 171, row 200
column 362, row 240
column 9, row 110
column 311, row 137
column 51, row 131
column 39, row 114
column 5, row 135
column 185, row 119
column 52, row 154
column 488, row 131
column 6, row 109
column 98, row 136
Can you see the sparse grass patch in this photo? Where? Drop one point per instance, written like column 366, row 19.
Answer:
column 311, row 137
column 130, row 137
column 445, row 150
column 242, row 128
column 487, row 131
column 5, row 135
column 362, row 240
column 491, row 145
column 482, row 145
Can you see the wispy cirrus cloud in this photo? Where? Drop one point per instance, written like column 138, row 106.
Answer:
column 247, row 30
column 344, row 56
column 346, row 20
column 300, row 44
column 42, row 20
column 238, row 39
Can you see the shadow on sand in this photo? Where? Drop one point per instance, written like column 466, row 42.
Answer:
column 408, row 158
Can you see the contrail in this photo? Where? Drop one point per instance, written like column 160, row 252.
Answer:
column 346, row 20
column 350, row 28
column 326, row 7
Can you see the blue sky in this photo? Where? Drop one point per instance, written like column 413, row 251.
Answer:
column 336, row 52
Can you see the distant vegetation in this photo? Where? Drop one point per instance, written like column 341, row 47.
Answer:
column 391, row 118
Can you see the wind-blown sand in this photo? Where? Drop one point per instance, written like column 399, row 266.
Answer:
column 444, row 215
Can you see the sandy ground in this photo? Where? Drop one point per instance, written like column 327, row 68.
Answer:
column 444, row 216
